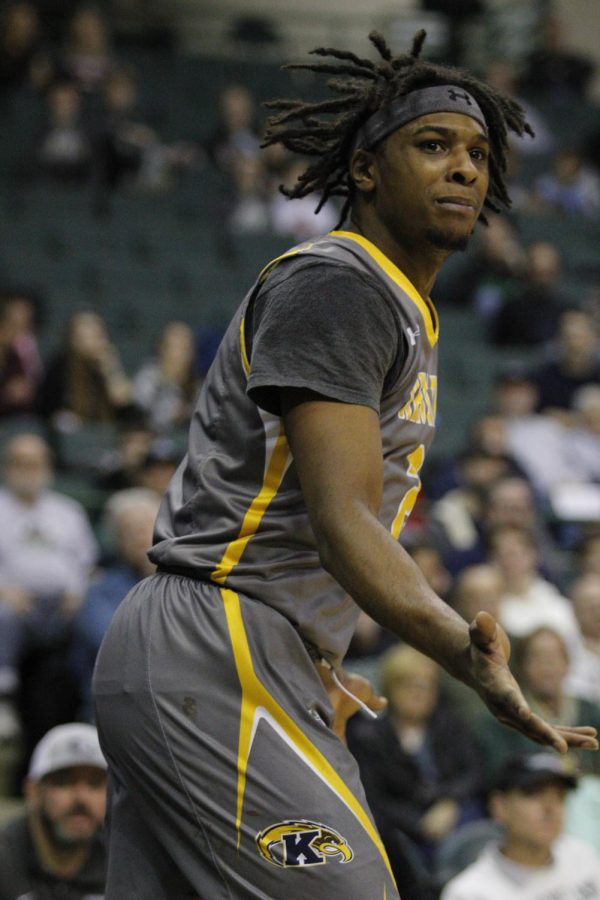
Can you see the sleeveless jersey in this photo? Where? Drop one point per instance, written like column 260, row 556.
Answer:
column 234, row 512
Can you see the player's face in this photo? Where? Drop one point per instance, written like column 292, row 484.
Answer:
column 71, row 804
column 431, row 179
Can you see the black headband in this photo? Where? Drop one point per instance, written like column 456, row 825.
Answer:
column 440, row 98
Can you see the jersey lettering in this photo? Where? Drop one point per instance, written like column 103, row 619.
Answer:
column 422, row 405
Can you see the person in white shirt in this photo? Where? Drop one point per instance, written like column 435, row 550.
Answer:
column 583, row 679
column 528, row 600
column 533, row 860
column 47, row 549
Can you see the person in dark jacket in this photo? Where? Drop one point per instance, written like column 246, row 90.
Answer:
column 420, row 768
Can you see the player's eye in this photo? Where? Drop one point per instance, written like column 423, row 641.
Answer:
column 431, row 146
column 478, row 154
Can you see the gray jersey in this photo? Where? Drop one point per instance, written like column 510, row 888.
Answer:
column 234, row 512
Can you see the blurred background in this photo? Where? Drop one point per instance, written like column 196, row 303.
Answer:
column 136, row 210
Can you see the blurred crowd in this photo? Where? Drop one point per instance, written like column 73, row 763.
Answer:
column 510, row 525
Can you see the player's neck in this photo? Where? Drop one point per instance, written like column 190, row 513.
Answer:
column 420, row 264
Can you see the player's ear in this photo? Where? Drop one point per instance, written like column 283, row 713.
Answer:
column 362, row 167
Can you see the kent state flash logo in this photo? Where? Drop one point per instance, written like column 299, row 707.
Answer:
column 302, row 843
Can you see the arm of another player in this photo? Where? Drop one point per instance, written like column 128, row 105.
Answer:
column 338, row 456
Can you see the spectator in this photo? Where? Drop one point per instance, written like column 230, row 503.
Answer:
column 249, row 210
column 237, row 132
column 55, row 849
column 476, row 588
column 571, row 187
column 159, row 465
column 88, row 56
column 129, row 522
column 119, row 467
column 587, row 552
column 530, row 317
column 429, row 560
column 127, row 151
column 418, row 765
column 85, row 381
column 46, row 551
column 532, row 858
column 510, row 501
column 502, row 74
column 164, row 387
column 490, row 274
column 489, row 497
column 20, row 364
column 583, row 679
column 515, row 394
column 528, row 601
column 299, row 220
column 552, row 71
column 21, row 46
column 542, row 660
column 575, row 361
column 63, row 150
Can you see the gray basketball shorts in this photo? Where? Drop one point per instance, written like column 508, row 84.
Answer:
column 225, row 779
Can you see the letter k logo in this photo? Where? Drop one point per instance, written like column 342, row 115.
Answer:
column 298, row 851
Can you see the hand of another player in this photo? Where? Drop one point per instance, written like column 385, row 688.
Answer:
column 343, row 706
column 489, row 652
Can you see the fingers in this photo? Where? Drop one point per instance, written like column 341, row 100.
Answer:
column 580, row 738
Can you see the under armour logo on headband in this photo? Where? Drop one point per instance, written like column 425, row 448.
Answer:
column 422, row 102
column 455, row 95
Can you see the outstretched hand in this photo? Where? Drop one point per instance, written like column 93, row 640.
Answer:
column 489, row 652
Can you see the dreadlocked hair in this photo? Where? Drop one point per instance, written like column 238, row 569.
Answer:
column 326, row 129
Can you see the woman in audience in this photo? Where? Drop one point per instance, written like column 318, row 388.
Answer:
column 584, row 673
column 165, row 386
column 85, row 382
column 542, row 662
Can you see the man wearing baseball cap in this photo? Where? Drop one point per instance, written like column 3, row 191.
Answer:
column 532, row 860
column 55, row 848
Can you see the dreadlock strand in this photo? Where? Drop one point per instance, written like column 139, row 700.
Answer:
column 333, row 69
column 417, row 44
column 343, row 54
column 378, row 41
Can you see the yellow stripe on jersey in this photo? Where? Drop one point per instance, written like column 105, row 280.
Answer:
column 243, row 351
column 425, row 306
column 255, row 700
column 271, row 265
column 273, row 477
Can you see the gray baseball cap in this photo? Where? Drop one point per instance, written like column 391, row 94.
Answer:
column 75, row 744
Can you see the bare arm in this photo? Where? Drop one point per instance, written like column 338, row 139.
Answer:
column 338, row 456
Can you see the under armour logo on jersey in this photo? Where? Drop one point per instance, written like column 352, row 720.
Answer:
column 413, row 335
column 455, row 95
column 302, row 843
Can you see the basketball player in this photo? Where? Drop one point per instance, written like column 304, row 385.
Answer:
column 229, row 777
